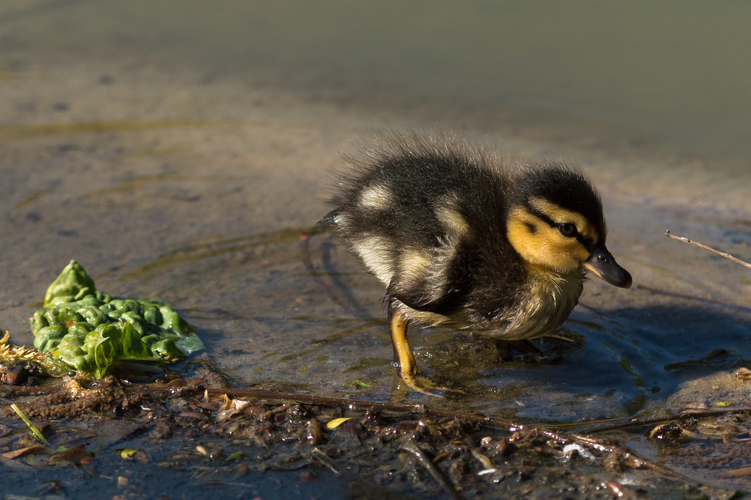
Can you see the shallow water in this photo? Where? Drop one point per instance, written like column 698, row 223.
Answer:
column 181, row 151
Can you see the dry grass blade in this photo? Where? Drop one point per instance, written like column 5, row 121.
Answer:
column 31, row 426
column 705, row 247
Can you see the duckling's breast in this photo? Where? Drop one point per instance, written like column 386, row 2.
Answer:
column 544, row 305
column 540, row 306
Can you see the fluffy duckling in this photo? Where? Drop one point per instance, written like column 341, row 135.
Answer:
column 464, row 240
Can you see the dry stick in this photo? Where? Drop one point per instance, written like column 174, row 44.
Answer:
column 705, row 247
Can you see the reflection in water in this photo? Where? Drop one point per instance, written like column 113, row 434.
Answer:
column 343, row 334
column 34, row 196
column 193, row 253
column 716, row 360
column 137, row 183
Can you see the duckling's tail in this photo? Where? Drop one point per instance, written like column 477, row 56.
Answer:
column 329, row 219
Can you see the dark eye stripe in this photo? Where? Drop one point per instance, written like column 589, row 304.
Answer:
column 542, row 216
column 585, row 242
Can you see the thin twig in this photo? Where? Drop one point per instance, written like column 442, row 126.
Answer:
column 705, row 247
column 360, row 404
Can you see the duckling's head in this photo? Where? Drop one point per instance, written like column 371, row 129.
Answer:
column 555, row 222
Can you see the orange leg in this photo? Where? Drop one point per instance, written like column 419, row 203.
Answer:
column 403, row 356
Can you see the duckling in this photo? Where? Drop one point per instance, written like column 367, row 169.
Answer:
column 467, row 240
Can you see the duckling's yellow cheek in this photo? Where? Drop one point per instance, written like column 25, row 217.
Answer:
column 540, row 244
column 575, row 252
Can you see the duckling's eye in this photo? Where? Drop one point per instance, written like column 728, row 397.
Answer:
column 567, row 229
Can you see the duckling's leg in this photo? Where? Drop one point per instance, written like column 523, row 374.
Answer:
column 403, row 352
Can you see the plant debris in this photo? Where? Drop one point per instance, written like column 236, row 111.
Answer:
column 219, row 436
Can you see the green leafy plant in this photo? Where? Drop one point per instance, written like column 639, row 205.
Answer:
column 90, row 331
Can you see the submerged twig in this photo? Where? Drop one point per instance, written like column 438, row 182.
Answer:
column 676, row 417
column 705, row 247
column 325, row 460
column 434, row 471
column 693, row 297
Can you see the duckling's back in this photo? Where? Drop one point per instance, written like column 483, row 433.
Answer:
column 428, row 218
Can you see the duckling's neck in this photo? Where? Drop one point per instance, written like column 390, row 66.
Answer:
column 563, row 288
column 537, row 272
column 548, row 300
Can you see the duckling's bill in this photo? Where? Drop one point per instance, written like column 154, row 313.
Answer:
column 603, row 265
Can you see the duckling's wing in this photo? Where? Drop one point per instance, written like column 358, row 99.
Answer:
column 436, row 279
